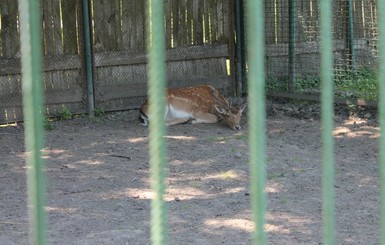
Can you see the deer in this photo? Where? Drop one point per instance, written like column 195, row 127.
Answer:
column 200, row 104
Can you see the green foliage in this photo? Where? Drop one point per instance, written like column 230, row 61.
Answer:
column 361, row 83
column 47, row 123
column 274, row 84
column 307, row 83
column 65, row 113
column 99, row 111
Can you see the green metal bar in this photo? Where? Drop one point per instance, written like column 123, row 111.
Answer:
column 88, row 57
column 32, row 81
column 352, row 52
column 381, row 108
column 292, row 37
column 157, row 129
column 256, row 116
column 327, row 121
column 238, row 46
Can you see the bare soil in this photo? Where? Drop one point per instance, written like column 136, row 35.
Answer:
column 98, row 181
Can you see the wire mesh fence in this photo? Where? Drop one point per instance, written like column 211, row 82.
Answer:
column 30, row 70
column 197, row 37
column 201, row 48
column 62, row 49
column 355, row 34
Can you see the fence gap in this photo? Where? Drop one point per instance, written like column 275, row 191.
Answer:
column 156, row 45
column 32, row 82
column 256, row 114
column 327, row 121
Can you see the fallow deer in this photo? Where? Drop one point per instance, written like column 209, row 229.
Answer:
column 201, row 104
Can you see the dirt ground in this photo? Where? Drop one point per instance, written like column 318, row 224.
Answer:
column 98, row 181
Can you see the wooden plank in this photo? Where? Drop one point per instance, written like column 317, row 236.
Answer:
column 67, row 62
column 213, row 18
column 117, row 20
column 128, row 19
column 105, row 24
column 140, row 26
column 168, row 21
column 9, row 35
column 64, row 96
column 223, row 19
column 51, row 63
column 10, row 86
column 283, row 21
column 70, row 40
column 269, row 22
column 189, row 22
column 183, row 53
column 198, row 21
column 182, row 34
column 10, row 66
column 11, row 114
column 121, row 91
column 176, row 23
column 133, row 25
column 138, row 74
column 206, row 22
column 52, row 27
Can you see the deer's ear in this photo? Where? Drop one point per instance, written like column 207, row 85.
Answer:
column 243, row 105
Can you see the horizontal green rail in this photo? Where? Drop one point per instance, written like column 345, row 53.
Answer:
column 32, row 83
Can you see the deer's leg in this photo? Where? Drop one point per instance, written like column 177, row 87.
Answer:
column 204, row 117
column 177, row 121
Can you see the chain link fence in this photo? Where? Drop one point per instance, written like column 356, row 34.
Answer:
column 63, row 68
column 354, row 47
column 200, row 39
column 197, row 38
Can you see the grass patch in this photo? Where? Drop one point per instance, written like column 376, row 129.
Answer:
column 65, row 113
column 358, row 84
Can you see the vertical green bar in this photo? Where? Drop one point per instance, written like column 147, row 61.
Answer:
column 327, row 121
column 31, row 60
column 156, row 90
column 256, row 99
column 381, row 106
column 292, row 43
column 88, row 58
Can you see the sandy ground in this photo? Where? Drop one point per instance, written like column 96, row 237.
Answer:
column 98, row 182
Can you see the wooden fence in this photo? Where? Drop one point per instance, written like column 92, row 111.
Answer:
column 197, row 40
column 200, row 48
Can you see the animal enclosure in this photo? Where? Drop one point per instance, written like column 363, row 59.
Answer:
column 198, row 47
column 321, row 162
column 201, row 49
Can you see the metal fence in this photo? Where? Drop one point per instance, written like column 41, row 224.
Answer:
column 32, row 91
column 293, row 47
column 201, row 48
column 198, row 40
column 62, row 47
